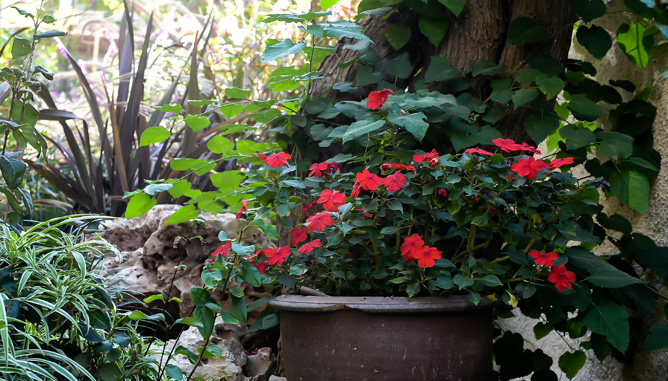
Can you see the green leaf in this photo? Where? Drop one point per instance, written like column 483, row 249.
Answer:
column 238, row 309
column 153, row 189
column 237, row 93
column 486, row 68
column 361, row 128
column 50, row 34
column 523, row 96
column 611, row 320
column 12, row 171
column 183, row 214
column 571, row 363
column 440, row 70
column 299, row 18
column 584, row 108
column 400, row 66
column 434, row 28
column 595, row 39
column 491, row 281
column 139, row 204
column 27, row 202
column 174, row 109
column 657, row 337
column 191, row 321
column 366, row 76
column 48, row 19
column 577, row 137
column 632, row 40
column 20, row 48
column 588, row 9
column 153, row 135
column 197, row 122
column 326, row 4
column 551, row 86
column 24, row 13
column 398, row 35
column 251, row 274
column 11, row 199
column 207, row 318
column 523, row 30
column 612, row 278
column 174, row 372
column 632, row 188
column 413, row 123
column 220, row 144
column 282, row 49
column 615, row 144
column 455, row 6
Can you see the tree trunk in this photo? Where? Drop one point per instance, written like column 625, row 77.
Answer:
column 479, row 33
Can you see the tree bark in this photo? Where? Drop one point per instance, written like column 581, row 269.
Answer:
column 479, row 33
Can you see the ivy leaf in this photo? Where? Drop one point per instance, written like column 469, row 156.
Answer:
column 366, row 75
column 632, row 188
column 153, row 135
column 524, row 95
column 282, row 49
column 398, row 35
column 551, row 86
column 440, row 70
column 571, row 363
column 20, row 47
column 434, row 28
column 413, row 123
column 361, row 128
column 523, row 30
column 611, row 320
column 139, row 204
column 584, row 108
column 400, row 66
column 183, row 214
column 455, row 6
column 595, row 39
column 632, row 40
column 588, row 9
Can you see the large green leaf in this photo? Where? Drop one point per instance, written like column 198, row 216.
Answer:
column 12, row 171
column 207, row 318
column 584, row 108
column 398, row 35
column 523, row 30
column 20, row 47
column 549, row 85
column 486, row 68
column 400, row 66
column 654, row 258
column 612, row 278
column 434, row 28
column 611, row 320
column 440, row 70
column 595, row 39
column 153, row 135
column 366, row 76
column 657, row 337
column 577, row 137
column 632, row 188
column 139, row 204
column 413, row 123
column 524, row 96
column 588, row 9
column 634, row 43
column 571, row 363
column 455, row 6
column 615, row 144
column 282, row 49
column 361, row 128
column 220, row 144
column 184, row 214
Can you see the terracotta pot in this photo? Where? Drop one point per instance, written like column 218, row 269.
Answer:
column 384, row 338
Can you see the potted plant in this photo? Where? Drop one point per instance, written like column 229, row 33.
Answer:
column 392, row 224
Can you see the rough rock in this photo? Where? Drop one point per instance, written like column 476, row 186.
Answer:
column 260, row 365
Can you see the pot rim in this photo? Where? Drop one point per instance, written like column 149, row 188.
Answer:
column 377, row 304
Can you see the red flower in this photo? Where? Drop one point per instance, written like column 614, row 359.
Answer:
column 398, row 166
column 525, row 147
column 561, row 278
column 222, row 250
column 331, row 200
column 244, row 208
column 317, row 168
column 427, row 156
column 306, row 209
column 368, row 180
column 543, row 259
column 433, row 162
column 377, row 98
column 427, row 256
column 298, row 235
column 410, row 246
column 277, row 256
column 356, row 190
column 319, row 222
column 261, row 267
column 275, row 159
column 309, row 247
column 395, row 182
column 479, row 151
column 529, row 167
column 333, row 166
column 262, row 157
column 556, row 163
column 507, row 145
column 443, row 192
column 386, row 167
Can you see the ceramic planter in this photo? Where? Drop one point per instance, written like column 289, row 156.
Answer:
column 385, row 338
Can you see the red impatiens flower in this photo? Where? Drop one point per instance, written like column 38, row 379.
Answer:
column 298, row 235
column 261, row 267
column 561, row 278
column 331, row 200
column 275, row 159
column 319, row 222
column 443, row 192
column 426, row 157
column 427, row 256
column 479, row 151
column 525, row 147
column 556, row 163
column 378, row 98
column 543, row 259
column 411, row 245
column 310, row 246
column 507, row 145
column 529, row 167
column 244, row 208
column 307, row 208
column 395, row 182
column 386, row 167
column 368, row 180
column 222, row 250
column 317, row 169
column 277, row 256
